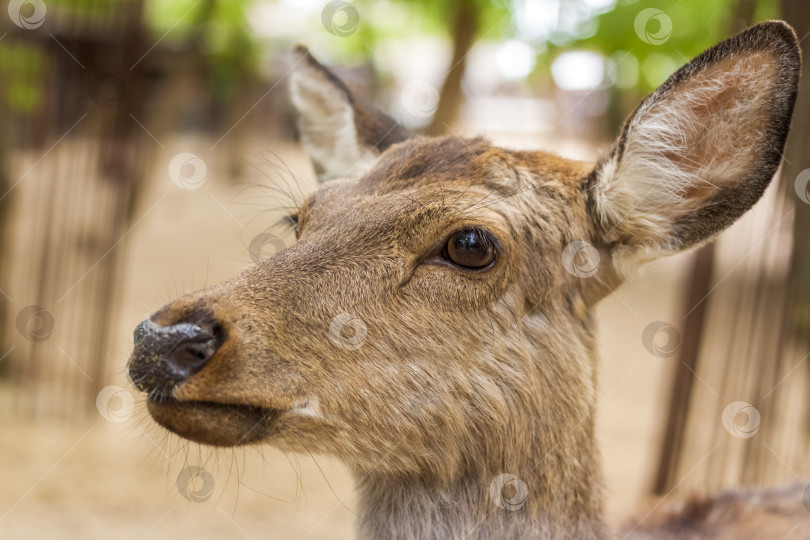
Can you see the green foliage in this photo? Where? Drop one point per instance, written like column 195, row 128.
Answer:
column 22, row 68
column 232, row 51
column 221, row 29
column 88, row 9
column 175, row 20
column 696, row 25
column 405, row 19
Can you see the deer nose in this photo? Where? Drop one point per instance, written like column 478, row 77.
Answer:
column 167, row 355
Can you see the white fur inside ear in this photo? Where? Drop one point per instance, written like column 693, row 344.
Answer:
column 683, row 148
column 326, row 125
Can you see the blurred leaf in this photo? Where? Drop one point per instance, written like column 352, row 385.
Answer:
column 173, row 19
column 23, row 97
column 22, row 69
column 221, row 29
column 695, row 26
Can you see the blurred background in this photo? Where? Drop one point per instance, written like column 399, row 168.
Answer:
column 147, row 148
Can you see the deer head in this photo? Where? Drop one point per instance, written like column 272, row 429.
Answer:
column 431, row 326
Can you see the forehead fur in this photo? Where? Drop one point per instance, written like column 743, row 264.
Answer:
column 429, row 160
column 422, row 161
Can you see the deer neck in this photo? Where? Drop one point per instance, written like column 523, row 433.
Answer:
column 546, row 442
column 560, row 498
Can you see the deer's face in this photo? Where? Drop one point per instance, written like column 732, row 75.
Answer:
column 435, row 307
column 401, row 318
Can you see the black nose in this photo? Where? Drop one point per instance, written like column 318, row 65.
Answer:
column 167, row 355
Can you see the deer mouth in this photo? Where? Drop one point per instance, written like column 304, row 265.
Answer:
column 212, row 423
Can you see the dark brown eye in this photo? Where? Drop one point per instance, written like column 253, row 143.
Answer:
column 292, row 221
column 470, row 248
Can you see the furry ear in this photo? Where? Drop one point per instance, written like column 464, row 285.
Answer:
column 342, row 133
column 699, row 151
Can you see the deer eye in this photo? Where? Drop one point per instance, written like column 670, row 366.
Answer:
column 470, row 248
column 292, row 221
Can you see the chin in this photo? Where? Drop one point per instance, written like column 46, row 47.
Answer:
column 215, row 424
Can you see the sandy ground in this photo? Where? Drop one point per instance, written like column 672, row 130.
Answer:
column 117, row 480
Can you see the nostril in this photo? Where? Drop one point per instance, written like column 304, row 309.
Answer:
column 217, row 332
column 171, row 353
column 189, row 356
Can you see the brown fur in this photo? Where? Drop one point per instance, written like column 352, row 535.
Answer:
column 462, row 375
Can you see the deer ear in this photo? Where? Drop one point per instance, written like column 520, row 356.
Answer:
column 342, row 133
column 699, row 151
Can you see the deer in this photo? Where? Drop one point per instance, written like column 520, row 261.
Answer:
column 431, row 326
